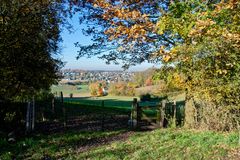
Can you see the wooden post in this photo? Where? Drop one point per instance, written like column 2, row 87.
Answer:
column 28, row 117
column 42, row 113
column 139, row 115
column 33, row 113
column 159, row 108
column 174, row 113
column 63, row 110
column 162, row 113
column 134, row 113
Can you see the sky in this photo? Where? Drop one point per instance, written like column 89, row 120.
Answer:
column 69, row 52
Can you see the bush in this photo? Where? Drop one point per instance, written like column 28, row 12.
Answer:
column 122, row 89
column 97, row 88
column 201, row 113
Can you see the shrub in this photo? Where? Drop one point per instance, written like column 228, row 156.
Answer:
column 97, row 88
column 149, row 81
column 122, row 89
column 202, row 113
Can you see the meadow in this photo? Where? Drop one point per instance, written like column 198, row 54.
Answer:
column 76, row 90
column 165, row 144
column 83, row 91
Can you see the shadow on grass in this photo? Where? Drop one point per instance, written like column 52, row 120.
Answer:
column 87, row 126
column 59, row 145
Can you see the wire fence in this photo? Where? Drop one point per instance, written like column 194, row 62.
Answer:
column 61, row 113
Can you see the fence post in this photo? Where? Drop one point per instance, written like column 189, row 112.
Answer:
column 33, row 113
column 139, row 115
column 162, row 113
column 28, row 117
column 63, row 110
column 134, row 113
column 159, row 108
column 174, row 113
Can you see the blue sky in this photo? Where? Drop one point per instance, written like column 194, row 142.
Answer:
column 69, row 52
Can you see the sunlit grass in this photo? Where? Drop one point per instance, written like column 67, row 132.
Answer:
column 76, row 90
column 170, row 144
column 159, row 144
column 53, row 145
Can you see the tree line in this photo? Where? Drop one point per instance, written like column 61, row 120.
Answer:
column 197, row 40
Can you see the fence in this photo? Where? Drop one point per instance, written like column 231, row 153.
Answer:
column 162, row 113
column 59, row 113
column 23, row 116
column 12, row 115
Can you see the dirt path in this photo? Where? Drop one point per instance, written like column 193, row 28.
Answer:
column 93, row 143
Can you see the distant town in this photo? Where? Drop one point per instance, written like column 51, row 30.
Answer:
column 69, row 75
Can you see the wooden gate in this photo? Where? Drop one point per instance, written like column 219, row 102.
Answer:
column 160, row 113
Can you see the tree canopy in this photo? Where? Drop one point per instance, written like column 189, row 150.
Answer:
column 29, row 36
column 122, row 30
column 209, row 54
column 200, row 39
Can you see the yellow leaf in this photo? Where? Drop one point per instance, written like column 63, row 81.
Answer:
column 166, row 58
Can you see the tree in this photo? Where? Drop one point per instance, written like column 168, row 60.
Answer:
column 29, row 36
column 149, row 81
column 199, row 38
column 140, row 78
column 208, row 56
column 172, row 78
column 122, row 89
column 209, row 53
column 123, row 30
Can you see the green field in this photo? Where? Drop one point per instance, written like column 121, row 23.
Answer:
column 76, row 90
column 166, row 144
column 109, row 101
column 83, row 91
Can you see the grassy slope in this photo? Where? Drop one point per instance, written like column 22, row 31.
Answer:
column 170, row 144
column 54, row 145
column 158, row 144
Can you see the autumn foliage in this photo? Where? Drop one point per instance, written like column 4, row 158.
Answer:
column 97, row 88
column 198, row 38
column 122, row 89
column 208, row 57
column 126, row 29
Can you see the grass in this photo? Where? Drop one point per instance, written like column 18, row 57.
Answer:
column 76, row 90
column 109, row 101
column 159, row 144
column 169, row 144
column 55, row 145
